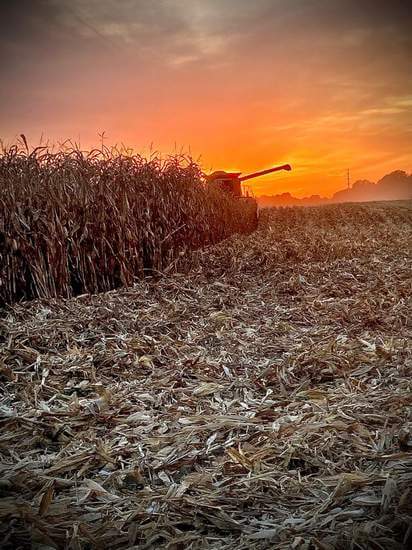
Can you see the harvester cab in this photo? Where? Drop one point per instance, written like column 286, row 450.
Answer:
column 231, row 182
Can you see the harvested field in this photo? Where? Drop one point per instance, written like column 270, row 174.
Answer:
column 260, row 400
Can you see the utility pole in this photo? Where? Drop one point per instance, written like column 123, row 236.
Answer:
column 348, row 178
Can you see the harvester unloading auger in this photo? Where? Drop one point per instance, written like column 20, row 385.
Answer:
column 231, row 182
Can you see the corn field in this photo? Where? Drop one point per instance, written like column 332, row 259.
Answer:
column 74, row 222
column 259, row 401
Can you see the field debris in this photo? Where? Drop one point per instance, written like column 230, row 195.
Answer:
column 260, row 400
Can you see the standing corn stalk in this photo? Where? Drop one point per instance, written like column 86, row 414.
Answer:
column 73, row 222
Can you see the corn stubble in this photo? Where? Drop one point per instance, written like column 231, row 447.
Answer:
column 74, row 222
column 259, row 401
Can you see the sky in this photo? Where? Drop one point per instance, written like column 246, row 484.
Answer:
column 325, row 85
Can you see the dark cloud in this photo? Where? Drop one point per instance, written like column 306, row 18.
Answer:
column 368, row 13
column 33, row 28
column 30, row 20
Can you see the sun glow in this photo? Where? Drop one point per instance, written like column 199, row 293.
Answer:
column 239, row 89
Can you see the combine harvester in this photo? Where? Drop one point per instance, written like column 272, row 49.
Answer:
column 231, row 182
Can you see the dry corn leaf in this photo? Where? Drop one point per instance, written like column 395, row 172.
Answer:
column 284, row 422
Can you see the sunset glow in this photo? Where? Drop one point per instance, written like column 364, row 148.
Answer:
column 324, row 86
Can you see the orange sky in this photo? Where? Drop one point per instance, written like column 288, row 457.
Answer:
column 325, row 85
